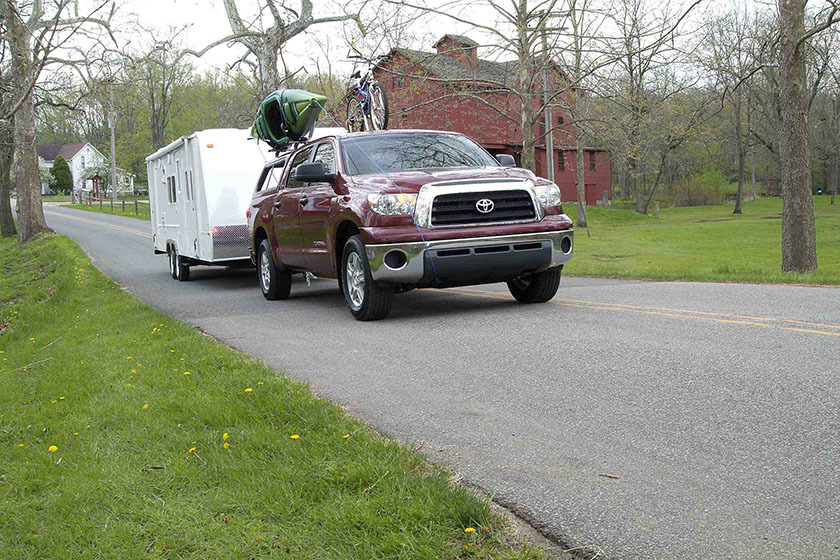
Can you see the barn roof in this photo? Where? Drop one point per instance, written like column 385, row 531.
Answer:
column 449, row 67
column 51, row 151
column 462, row 39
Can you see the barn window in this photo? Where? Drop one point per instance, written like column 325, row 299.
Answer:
column 592, row 161
column 560, row 121
column 561, row 163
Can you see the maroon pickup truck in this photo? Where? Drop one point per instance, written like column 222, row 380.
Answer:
column 386, row 212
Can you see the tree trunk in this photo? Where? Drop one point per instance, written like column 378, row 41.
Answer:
column 31, row 219
column 832, row 176
column 269, row 73
column 7, row 151
column 739, row 140
column 799, row 247
column 581, row 181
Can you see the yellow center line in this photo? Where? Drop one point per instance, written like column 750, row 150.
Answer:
column 676, row 314
column 100, row 223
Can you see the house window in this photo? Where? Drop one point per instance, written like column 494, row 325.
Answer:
column 83, row 161
column 592, row 161
column 170, row 189
column 561, row 164
column 560, row 121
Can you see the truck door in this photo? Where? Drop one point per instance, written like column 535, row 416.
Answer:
column 315, row 214
column 286, row 215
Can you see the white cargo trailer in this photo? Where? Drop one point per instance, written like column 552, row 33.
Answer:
column 199, row 189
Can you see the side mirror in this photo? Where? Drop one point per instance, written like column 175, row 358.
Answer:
column 313, row 173
column 506, row 160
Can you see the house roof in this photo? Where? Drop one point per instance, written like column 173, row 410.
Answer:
column 51, row 151
column 462, row 39
column 448, row 67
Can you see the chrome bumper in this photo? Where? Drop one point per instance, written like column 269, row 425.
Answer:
column 412, row 271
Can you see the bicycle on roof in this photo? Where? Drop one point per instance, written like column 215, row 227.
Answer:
column 367, row 104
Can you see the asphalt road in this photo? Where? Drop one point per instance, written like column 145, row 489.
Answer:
column 715, row 405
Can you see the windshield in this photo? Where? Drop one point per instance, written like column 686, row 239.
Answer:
column 401, row 152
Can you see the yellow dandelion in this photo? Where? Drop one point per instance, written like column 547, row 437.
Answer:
column 294, row 436
column 161, row 324
column 193, row 443
column 53, row 401
column 191, row 450
column 1, row 352
column 31, row 339
column 346, row 436
column 249, row 390
column 133, row 371
column 144, row 407
column 226, row 445
column 182, row 359
column 259, row 383
column 52, row 449
column 75, row 433
column 5, row 359
column 172, row 351
column 61, row 398
column 469, row 530
column 225, row 436
column 20, row 445
column 187, row 373
column 259, row 538
column 128, row 357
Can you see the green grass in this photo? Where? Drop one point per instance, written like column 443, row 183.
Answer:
column 705, row 243
column 143, row 209
column 141, row 470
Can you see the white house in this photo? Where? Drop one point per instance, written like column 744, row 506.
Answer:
column 84, row 161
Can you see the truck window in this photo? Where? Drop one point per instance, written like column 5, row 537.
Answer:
column 270, row 178
column 300, row 157
column 325, row 154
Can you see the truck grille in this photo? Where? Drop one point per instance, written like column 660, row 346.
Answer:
column 461, row 208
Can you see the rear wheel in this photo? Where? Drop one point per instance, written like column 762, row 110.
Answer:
column 183, row 269
column 173, row 262
column 536, row 288
column 367, row 300
column 355, row 115
column 275, row 283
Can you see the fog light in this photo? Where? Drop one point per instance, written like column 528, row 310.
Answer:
column 566, row 245
column 395, row 259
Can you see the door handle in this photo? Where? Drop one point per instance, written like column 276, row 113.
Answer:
column 278, row 204
column 303, row 201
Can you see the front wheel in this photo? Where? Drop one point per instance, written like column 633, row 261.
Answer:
column 378, row 107
column 367, row 300
column 275, row 283
column 536, row 288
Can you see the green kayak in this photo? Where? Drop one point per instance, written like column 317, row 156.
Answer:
column 287, row 115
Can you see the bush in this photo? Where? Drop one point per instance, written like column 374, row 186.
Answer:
column 700, row 190
column 63, row 178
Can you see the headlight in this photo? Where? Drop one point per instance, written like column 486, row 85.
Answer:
column 392, row 204
column 549, row 195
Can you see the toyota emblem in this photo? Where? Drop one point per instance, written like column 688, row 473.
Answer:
column 485, row 205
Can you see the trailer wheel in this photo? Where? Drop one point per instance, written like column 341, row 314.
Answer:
column 183, row 269
column 173, row 266
column 275, row 283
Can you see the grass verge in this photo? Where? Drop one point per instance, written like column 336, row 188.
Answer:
column 117, row 210
column 127, row 434
column 704, row 243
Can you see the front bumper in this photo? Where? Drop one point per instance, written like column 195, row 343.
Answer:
column 475, row 260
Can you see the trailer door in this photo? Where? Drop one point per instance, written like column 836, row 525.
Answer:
column 190, row 209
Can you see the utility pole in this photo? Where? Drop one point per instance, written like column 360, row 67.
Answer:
column 113, row 145
column 549, row 128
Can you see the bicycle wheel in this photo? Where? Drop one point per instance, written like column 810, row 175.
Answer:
column 355, row 116
column 378, row 107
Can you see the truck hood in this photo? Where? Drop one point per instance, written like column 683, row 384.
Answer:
column 412, row 181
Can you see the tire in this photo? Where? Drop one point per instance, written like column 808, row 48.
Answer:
column 183, row 269
column 536, row 288
column 375, row 91
column 275, row 283
column 172, row 255
column 355, row 115
column 367, row 300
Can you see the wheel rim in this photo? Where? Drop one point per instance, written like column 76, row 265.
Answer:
column 171, row 263
column 265, row 275
column 377, row 112
column 355, row 116
column 177, row 264
column 354, row 277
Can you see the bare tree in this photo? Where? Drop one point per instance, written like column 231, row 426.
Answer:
column 33, row 35
column 266, row 43
column 799, row 244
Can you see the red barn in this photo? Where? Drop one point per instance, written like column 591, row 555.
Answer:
column 453, row 89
